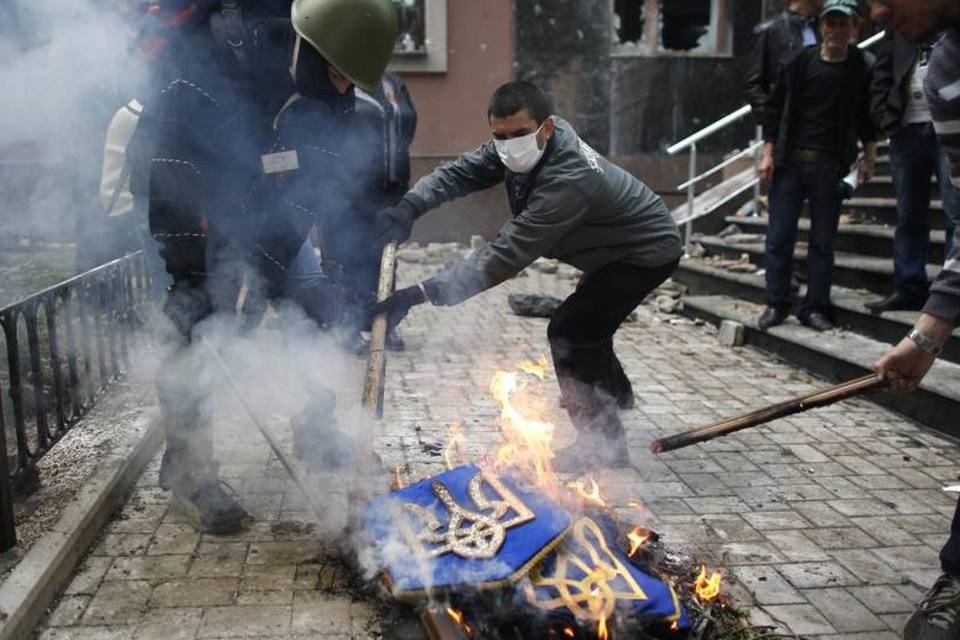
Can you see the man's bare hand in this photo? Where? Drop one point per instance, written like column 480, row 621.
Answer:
column 904, row 366
column 865, row 173
column 765, row 170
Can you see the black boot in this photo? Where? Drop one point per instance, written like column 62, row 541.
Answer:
column 899, row 301
column 772, row 317
column 209, row 507
column 601, row 444
column 938, row 616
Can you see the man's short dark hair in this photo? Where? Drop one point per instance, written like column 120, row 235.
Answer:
column 514, row 97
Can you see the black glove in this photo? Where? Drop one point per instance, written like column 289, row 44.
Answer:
column 395, row 224
column 398, row 305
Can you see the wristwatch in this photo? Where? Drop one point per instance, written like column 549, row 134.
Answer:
column 925, row 343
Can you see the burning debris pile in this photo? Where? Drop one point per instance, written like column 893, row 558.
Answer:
column 501, row 548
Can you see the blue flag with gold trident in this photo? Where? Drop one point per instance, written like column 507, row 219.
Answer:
column 463, row 528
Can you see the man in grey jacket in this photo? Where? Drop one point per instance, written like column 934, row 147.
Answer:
column 568, row 203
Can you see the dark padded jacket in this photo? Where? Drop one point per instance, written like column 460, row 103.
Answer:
column 774, row 42
column 780, row 113
column 888, row 88
column 576, row 206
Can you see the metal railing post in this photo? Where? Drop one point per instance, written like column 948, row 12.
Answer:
column 756, row 165
column 691, row 197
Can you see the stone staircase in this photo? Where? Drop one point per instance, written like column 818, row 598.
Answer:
column 727, row 282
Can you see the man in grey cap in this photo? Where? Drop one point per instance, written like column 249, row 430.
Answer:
column 568, row 203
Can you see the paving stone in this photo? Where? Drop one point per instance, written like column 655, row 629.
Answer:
column 902, row 558
column 88, row 633
column 770, row 521
column 89, row 575
column 174, row 539
column 169, row 624
column 867, row 567
column 320, row 613
column 122, row 544
column 219, row 560
column 285, row 552
column 803, row 619
column 195, row 592
column 796, row 547
column 118, row 602
column 268, row 577
column 885, row 599
column 227, row 622
column 843, row 611
column 807, row 575
column 148, row 568
column 68, row 611
column 767, row 586
column 845, row 538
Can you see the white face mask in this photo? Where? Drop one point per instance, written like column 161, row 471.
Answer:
column 522, row 154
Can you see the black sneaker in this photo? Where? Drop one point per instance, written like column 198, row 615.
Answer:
column 937, row 617
column 772, row 317
column 593, row 451
column 211, row 509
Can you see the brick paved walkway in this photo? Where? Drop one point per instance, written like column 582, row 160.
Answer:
column 831, row 521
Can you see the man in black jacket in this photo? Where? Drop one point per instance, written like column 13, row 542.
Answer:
column 901, row 112
column 937, row 617
column 817, row 111
column 774, row 42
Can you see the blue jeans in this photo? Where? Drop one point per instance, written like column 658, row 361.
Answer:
column 915, row 157
column 793, row 184
column 950, row 554
column 160, row 280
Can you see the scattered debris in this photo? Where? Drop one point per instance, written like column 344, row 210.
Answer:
column 731, row 334
column 533, row 306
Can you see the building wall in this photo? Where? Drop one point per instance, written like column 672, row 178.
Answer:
column 452, row 108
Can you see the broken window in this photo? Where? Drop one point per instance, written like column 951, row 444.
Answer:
column 413, row 26
column 691, row 27
column 629, row 16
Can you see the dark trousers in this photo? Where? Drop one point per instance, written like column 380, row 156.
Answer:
column 793, row 184
column 581, row 333
column 915, row 157
column 950, row 554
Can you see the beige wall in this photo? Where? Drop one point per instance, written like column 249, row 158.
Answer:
column 452, row 105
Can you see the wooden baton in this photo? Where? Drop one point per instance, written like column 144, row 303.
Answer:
column 373, row 379
column 831, row 395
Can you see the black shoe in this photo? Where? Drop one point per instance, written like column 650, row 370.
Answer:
column 626, row 400
column 816, row 321
column 897, row 302
column 938, row 616
column 355, row 343
column 395, row 341
column 209, row 508
column 772, row 317
column 593, row 451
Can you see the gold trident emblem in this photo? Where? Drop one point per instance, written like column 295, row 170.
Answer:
column 474, row 535
column 588, row 579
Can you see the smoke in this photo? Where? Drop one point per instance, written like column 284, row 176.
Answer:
column 60, row 65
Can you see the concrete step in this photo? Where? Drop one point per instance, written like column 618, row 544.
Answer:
column 881, row 186
column 839, row 356
column 850, row 269
column 702, row 278
column 883, row 211
column 867, row 239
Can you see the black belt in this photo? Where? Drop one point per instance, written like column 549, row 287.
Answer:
column 811, row 155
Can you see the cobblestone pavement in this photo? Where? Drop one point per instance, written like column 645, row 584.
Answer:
column 829, row 522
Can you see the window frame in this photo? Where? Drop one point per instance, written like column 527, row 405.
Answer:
column 434, row 58
column 721, row 23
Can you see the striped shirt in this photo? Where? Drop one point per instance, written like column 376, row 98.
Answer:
column 943, row 96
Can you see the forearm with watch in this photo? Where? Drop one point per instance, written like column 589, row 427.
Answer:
column 931, row 333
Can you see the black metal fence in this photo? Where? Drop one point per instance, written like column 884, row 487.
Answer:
column 65, row 345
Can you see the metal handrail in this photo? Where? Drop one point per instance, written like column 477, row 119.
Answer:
column 723, row 165
column 690, row 143
column 743, row 112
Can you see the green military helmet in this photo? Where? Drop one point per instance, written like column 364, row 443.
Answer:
column 355, row 36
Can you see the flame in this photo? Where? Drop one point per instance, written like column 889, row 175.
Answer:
column 538, row 368
column 461, row 620
column 454, row 446
column 675, row 626
column 602, row 632
column 570, row 633
column 638, row 537
column 528, row 442
column 706, row 589
column 588, row 491
column 398, row 482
